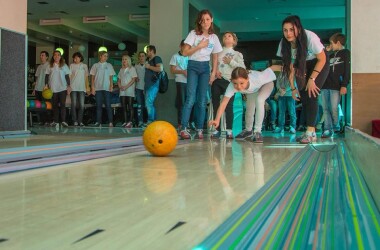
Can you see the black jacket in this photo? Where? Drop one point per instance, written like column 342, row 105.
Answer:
column 340, row 70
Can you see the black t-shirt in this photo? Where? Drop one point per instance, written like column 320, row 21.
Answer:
column 149, row 73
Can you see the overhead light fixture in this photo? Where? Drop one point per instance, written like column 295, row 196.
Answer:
column 102, row 48
column 95, row 19
column 138, row 17
column 51, row 21
column 60, row 50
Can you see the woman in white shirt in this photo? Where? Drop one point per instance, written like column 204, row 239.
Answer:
column 305, row 65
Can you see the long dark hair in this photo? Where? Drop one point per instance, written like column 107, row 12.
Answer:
column 301, row 42
column 61, row 61
column 198, row 22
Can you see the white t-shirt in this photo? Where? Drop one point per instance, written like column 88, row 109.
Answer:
column 314, row 46
column 140, row 70
column 256, row 80
column 102, row 73
column 237, row 61
column 203, row 55
column 125, row 76
column 79, row 72
column 57, row 80
column 181, row 64
column 41, row 73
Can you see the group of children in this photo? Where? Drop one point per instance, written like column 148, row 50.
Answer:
column 303, row 73
column 64, row 80
column 202, row 61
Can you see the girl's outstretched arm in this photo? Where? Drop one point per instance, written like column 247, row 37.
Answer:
column 219, row 113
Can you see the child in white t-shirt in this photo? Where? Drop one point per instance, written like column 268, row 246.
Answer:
column 139, row 88
column 57, row 77
column 126, row 82
column 178, row 66
column 101, row 86
column 40, row 74
column 78, row 78
column 245, row 82
column 199, row 45
column 228, row 59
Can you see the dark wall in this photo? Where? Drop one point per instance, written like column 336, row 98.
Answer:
column 257, row 51
column 12, row 81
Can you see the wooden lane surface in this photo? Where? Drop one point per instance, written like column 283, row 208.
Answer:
column 132, row 201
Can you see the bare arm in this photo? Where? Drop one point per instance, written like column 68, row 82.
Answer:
column 93, row 84
column 214, row 67
column 131, row 82
column 219, row 113
column 311, row 87
column 157, row 68
column 188, row 50
column 173, row 70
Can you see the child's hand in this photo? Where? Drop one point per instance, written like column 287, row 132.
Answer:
column 203, row 44
column 295, row 94
column 227, row 59
column 213, row 123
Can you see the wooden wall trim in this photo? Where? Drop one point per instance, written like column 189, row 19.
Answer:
column 365, row 100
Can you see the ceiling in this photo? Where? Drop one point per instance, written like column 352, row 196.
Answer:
column 128, row 20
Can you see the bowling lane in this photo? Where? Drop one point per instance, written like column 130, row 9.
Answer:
column 49, row 135
column 135, row 201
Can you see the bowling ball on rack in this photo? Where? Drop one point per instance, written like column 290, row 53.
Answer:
column 48, row 105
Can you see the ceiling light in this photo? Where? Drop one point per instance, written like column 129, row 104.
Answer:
column 95, row 19
column 138, row 17
column 102, row 48
column 60, row 50
column 51, row 21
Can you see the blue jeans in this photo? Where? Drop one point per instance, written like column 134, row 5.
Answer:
column 330, row 103
column 150, row 97
column 286, row 102
column 103, row 96
column 139, row 95
column 198, row 75
column 77, row 99
column 273, row 110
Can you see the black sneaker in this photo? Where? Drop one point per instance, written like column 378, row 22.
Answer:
column 257, row 137
column 243, row 135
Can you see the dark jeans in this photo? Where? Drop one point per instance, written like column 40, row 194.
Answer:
column 218, row 88
column 103, row 97
column 180, row 99
column 127, row 105
column 310, row 104
column 38, row 95
column 77, row 100
column 59, row 106
column 140, row 100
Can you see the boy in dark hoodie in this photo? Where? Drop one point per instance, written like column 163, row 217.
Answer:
column 336, row 83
